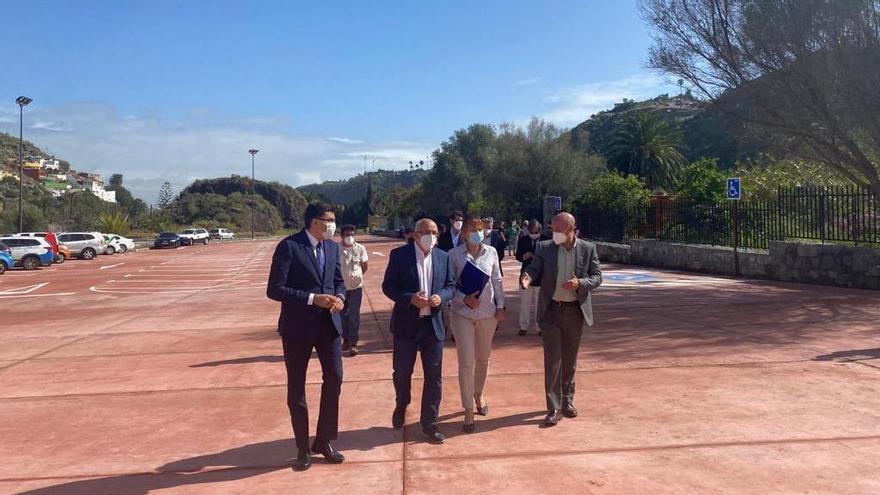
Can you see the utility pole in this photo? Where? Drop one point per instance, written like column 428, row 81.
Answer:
column 253, row 153
column 22, row 101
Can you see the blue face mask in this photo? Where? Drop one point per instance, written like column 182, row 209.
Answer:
column 475, row 237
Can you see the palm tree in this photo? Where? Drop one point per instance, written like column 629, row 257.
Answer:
column 645, row 145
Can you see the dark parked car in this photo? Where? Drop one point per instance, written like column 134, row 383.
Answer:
column 167, row 240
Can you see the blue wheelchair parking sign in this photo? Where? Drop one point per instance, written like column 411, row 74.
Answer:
column 734, row 189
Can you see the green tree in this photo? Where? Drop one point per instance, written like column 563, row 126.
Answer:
column 613, row 191
column 701, row 182
column 645, row 145
column 166, row 196
column 113, row 223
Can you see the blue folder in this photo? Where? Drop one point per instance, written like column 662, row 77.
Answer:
column 472, row 280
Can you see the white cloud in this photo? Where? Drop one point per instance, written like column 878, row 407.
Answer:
column 149, row 150
column 528, row 82
column 571, row 106
column 344, row 140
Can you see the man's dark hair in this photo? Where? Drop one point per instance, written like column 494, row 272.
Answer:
column 348, row 228
column 534, row 224
column 455, row 214
column 317, row 210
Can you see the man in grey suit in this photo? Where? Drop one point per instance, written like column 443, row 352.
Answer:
column 568, row 269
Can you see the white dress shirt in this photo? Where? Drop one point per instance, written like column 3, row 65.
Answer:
column 492, row 297
column 425, row 266
column 314, row 243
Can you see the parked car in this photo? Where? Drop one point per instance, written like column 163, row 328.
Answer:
column 63, row 254
column 222, row 234
column 60, row 252
column 124, row 243
column 84, row 245
column 29, row 253
column 167, row 240
column 195, row 235
column 6, row 260
column 111, row 246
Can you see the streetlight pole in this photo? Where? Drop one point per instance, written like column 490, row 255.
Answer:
column 22, row 101
column 253, row 153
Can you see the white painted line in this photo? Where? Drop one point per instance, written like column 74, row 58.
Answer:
column 377, row 253
column 110, row 266
column 23, row 290
column 22, row 296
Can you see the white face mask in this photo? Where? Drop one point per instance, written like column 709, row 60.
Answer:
column 560, row 238
column 457, row 225
column 427, row 241
column 348, row 240
column 329, row 230
column 475, row 238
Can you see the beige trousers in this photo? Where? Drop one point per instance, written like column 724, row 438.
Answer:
column 473, row 339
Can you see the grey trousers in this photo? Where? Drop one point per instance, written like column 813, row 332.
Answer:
column 561, row 329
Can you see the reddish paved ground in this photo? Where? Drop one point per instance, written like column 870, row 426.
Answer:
column 161, row 373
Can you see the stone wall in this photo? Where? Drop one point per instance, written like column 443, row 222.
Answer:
column 827, row 264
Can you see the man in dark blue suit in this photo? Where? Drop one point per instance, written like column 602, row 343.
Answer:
column 306, row 277
column 419, row 279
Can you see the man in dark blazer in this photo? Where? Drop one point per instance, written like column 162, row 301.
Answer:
column 306, row 277
column 419, row 279
column 568, row 270
column 452, row 237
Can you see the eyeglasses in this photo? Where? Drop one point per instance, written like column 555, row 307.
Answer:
column 326, row 219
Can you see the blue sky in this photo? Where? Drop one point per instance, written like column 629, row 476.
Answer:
column 177, row 90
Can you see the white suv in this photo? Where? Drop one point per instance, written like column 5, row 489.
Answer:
column 29, row 252
column 195, row 235
column 222, row 234
column 86, row 245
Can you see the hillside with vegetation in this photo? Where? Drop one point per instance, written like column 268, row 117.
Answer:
column 349, row 191
column 702, row 130
column 226, row 202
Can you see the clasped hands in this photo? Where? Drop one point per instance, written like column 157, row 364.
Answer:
column 421, row 301
column 332, row 303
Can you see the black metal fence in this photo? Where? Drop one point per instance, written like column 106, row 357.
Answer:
column 835, row 214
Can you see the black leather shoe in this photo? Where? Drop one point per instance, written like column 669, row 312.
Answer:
column 303, row 460
column 522, row 333
column 433, row 435
column 346, row 345
column 353, row 351
column 399, row 417
column 569, row 411
column 326, row 449
column 552, row 419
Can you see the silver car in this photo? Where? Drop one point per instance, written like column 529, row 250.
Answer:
column 85, row 245
column 29, row 252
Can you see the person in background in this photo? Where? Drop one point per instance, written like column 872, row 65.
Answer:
column 442, row 229
column 419, row 280
column 448, row 241
column 475, row 318
column 354, row 266
column 408, row 235
column 452, row 238
column 568, row 269
column 512, row 237
column 526, row 249
column 306, row 277
column 494, row 238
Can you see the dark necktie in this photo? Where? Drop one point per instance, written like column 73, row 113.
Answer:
column 321, row 259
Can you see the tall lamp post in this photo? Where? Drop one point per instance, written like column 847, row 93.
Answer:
column 253, row 153
column 22, row 101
